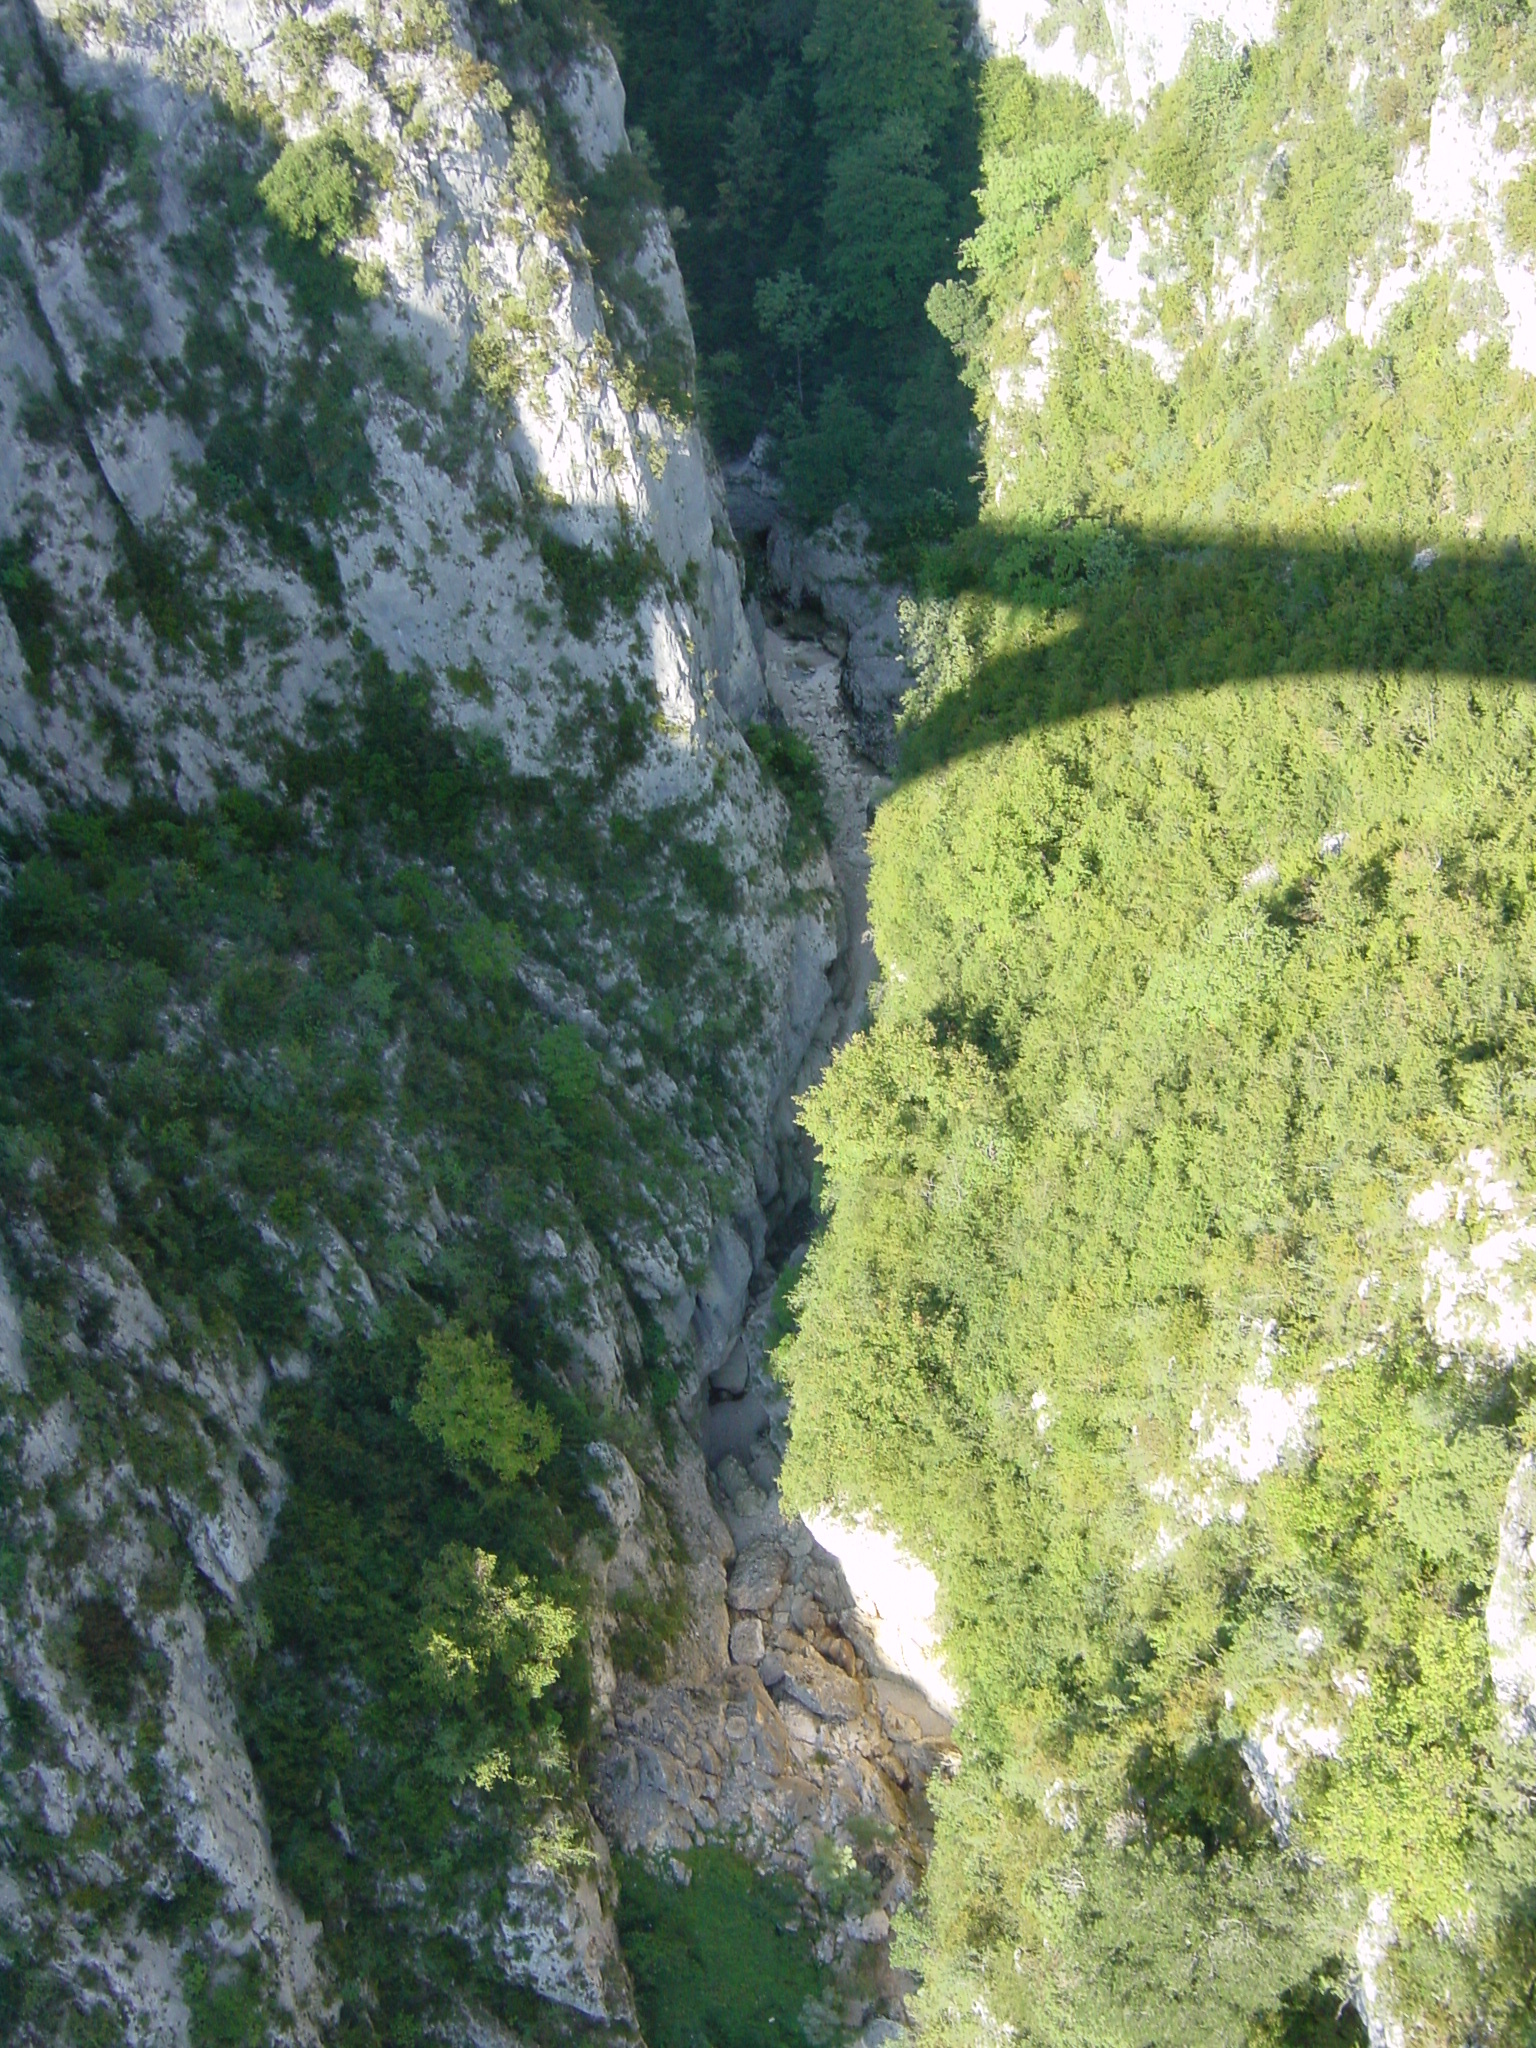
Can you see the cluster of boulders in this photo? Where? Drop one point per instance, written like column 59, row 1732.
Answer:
column 796, row 1739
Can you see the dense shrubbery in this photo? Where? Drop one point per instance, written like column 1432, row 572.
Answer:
column 1204, row 908
column 823, row 158
column 790, row 763
column 1123, row 1111
column 717, row 1961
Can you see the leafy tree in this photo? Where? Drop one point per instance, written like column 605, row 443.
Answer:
column 486, row 1648
column 314, row 190
column 795, row 315
column 884, row 217
column 824, row 458
column 878, row 58
column 466, row 1402
column 751, row 171
column 1520, row 211
column 1180, row 1011
column 475, row 1626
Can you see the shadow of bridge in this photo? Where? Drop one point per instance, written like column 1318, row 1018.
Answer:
column 1020, row 627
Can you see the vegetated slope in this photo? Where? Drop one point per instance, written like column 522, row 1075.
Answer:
column 820, row 158
column 1173, row 1299
column 398, row 970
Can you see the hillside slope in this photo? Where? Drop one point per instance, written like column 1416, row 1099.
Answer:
column 404, row 959
column 1174, row 1297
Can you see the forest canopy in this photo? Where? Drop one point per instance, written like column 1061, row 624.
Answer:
column 1171, row 1192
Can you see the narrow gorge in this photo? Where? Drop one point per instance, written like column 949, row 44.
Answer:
column 767, row 1003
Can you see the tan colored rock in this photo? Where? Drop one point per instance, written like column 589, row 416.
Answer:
column 757, row 1579
column 747, row 1641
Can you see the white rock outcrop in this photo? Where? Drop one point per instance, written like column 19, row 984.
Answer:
column 1137, row 46
column 1454, row 186
column 896, row 1597
column 1511, row 1613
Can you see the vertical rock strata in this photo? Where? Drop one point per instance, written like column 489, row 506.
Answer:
column 310, row 384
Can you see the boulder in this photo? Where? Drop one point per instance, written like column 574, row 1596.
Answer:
column 819, row 1687
column 756, row 1581
column 747, row 1641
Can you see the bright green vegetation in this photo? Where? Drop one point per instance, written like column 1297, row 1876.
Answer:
column 1119, row 1111
column 822, row 153
column 249, row 1050
column 723, row 1962
column 1204, row 907
column 790, row 764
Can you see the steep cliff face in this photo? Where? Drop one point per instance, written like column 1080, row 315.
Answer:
column 403, row 945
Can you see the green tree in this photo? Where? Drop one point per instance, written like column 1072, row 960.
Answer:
column 485, row 1647
column 1184, row 1002
column 751, row 170
column 314, row 190
column 476, row 1626
column 885, row 221
column 465, row 1401
column 794, row 314
column 876, row 58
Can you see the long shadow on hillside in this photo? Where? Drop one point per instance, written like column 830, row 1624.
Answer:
column 1111, row 618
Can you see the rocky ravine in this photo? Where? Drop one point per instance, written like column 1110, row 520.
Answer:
column 180, row 599
column 792, row 1722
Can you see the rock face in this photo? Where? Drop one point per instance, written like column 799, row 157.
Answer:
column 1127, row 53
column 797, row 1735
column 895, row 1597
column 833, row 566
column 259, row 440
column 1512, row 1602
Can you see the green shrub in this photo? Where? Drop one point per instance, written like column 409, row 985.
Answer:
column 466, row 1402
column 592, row 580
column 472, row 1625
column 645, row 1627
column 314, row 191
column 790, row 764
column 31, row 606
column 109, row 1655
column 725, row 1959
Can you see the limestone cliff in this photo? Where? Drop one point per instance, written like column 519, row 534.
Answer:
column 345, row 377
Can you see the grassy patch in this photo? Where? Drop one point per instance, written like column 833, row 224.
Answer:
column 723, row 1962
column 790, row 764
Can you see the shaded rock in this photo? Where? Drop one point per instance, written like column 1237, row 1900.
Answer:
column 731, row 1378
column 834, row 566
column 722, row 1298
column 821, row 1688
column 614, row 1486
column 875, row 1926
column 756, row 1580
column 732, row 1428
